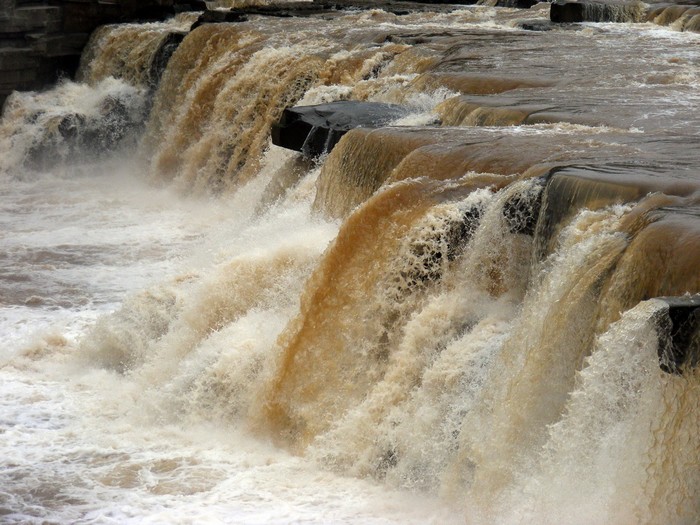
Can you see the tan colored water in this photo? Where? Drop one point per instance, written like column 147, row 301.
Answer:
column 403, row 319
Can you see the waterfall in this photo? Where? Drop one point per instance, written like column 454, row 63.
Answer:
column 454, row 317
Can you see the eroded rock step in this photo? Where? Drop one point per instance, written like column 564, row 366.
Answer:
column 367, row 158
column 328, row 8
column 683, row 16
column 679, row 334
column 663, row 223
column 575, row 187
column 315, row 130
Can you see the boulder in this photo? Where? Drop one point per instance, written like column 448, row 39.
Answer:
column 679, row 334
column 315, row 130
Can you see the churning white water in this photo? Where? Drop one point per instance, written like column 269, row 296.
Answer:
column 185, row 337
column 86, row 445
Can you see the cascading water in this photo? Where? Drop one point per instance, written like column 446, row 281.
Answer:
column 451, row 319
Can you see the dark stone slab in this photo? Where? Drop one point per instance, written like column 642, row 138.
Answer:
column 567, row 12
column 516, row 4
column 182, row 6
column 58, row 44
column 219, row 17
column 544, row 25
column 315, row 130
column 564, row 11
column 679, row 334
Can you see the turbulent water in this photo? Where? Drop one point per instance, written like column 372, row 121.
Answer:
column 451, row 319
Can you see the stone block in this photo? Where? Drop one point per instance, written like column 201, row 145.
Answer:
column 47, row 18
column 315, row 130
column 17, row 58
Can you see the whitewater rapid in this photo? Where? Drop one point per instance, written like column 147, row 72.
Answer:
column 87, row 445
column 199, row 327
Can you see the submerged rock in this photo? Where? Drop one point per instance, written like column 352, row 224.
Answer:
column 315, row 130
column 162, row 56
column 73, row 136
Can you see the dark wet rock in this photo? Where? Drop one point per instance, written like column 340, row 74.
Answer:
column 70, row 126
column 679, row 334
column 219, row 17
column 522, row 210
column 567, row 12
column 535, row 25
column 572, row 188
column 564, row 11
column 315, row 130
column 516, row 4
column 183, row 6
column 545, row 25
column 460, row 232
column 162, row 57
column 75, row 135
column 41, row 41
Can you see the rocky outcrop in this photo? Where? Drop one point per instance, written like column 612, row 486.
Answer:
column 66, row 135
column 315, row 130
column 573, row 188
column 679, row 334
column 162, row 57
column 683, row 15
column 571, row 12
column 398, row 7
column 41, row 41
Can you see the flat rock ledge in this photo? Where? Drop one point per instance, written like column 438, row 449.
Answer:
column 315, row 130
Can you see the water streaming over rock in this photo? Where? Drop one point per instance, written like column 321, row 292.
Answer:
column 453, row 318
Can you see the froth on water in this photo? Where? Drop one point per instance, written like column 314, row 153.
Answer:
column 450, row 319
